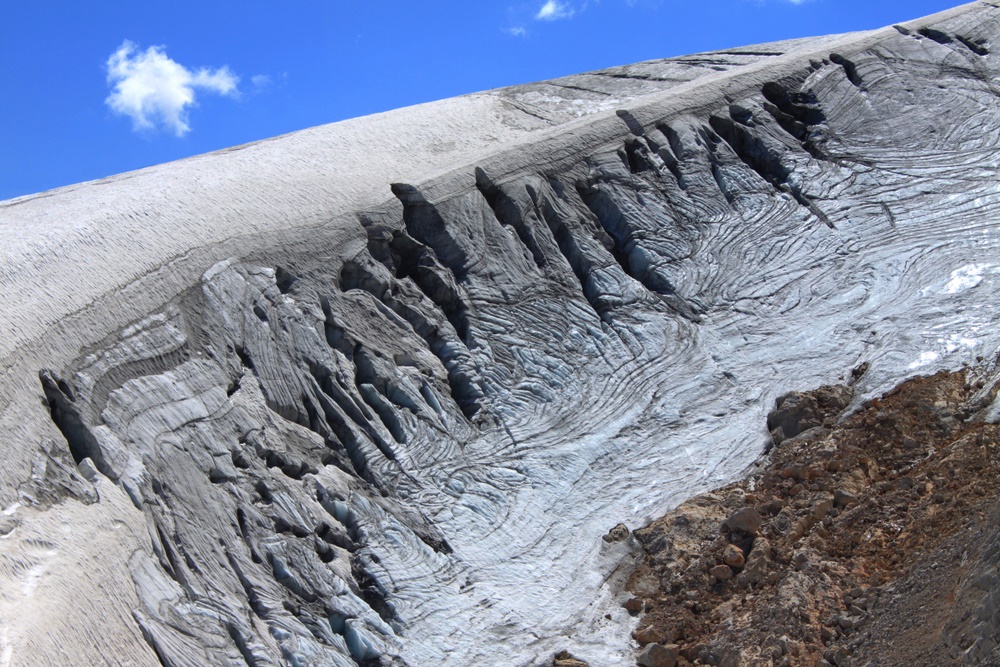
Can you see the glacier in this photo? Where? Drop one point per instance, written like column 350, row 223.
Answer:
column 372, row 393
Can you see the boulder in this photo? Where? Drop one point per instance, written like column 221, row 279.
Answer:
column 733, row 556
column 797, row 412
column 658, row 655
column 619, row 533
column 747, row 520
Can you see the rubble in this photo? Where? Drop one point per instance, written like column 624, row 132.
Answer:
column 851, row 540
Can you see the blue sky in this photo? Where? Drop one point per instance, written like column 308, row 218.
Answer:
column 94, row 89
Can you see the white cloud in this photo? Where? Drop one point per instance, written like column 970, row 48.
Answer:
column 155, row 91
column 516, row 31
column 260, row 81
column 554, row 10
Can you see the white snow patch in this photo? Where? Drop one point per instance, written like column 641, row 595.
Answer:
column 952, row 343
column 965, row 278
column 34, row 574
column 924, row 359
column 957, row 341
column 8, row 648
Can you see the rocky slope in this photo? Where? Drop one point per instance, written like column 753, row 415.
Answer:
column 372, row 393
column 865, row 541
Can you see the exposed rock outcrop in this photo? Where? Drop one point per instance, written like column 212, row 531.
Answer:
column 874, row 548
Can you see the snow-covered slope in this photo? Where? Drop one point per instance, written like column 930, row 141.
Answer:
column 374, row 391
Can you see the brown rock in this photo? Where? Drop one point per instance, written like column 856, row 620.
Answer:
column 647, row 634
column 565, row 659
column 801, row 527
column 634, row 605
column 658, row 655
column 721, row 572
column 822, row 508
column 746, row 520
column 844, row 498
column 617, row 534
column 797, row 412
column 859, row 371
column 837, row 656
column 794, row 413
column 692, row 651
column 733, row 556
column 644, row 583
column 756, row 566
column 773, row 506
column 798, row 471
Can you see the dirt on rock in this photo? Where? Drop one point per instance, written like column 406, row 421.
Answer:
column 871, row 539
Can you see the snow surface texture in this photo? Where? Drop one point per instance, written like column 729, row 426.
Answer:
column 373, row 392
